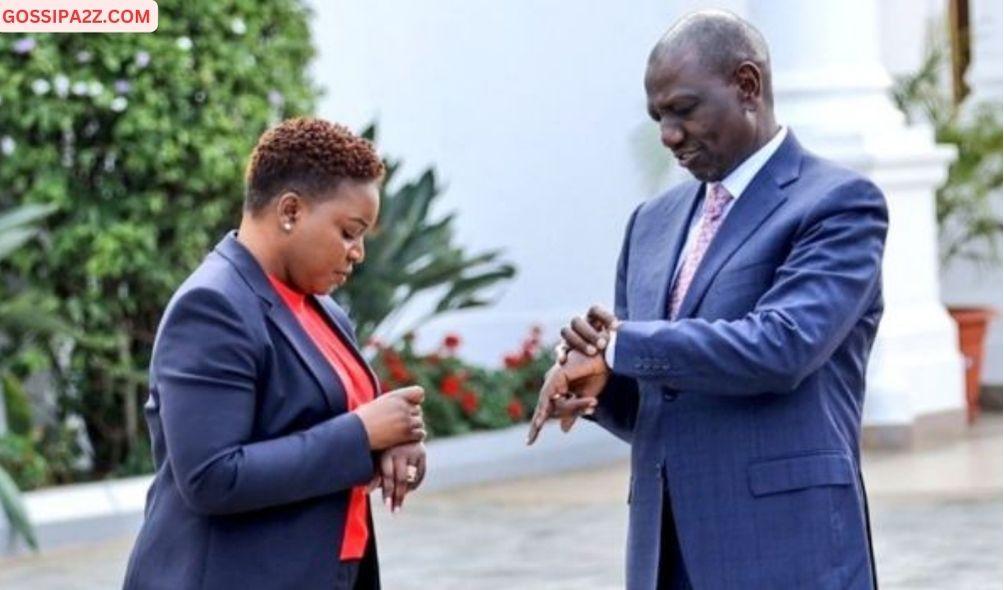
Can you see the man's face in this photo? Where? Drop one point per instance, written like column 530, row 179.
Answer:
column 700, row 116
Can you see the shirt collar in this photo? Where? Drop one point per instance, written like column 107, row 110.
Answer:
column 293, row 298
column 737, row 180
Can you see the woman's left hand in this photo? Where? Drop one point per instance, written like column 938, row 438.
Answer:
column 402, row 469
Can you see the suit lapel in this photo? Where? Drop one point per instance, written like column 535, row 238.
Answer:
column 342, row 332
column 762, row 197
column 664, row 238
column 319, row 367
column 331, row 387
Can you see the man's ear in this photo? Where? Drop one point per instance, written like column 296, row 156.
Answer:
column 749, row 84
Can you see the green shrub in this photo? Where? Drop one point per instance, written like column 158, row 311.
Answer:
column 22, row 316
column 140, row 141
column 16, row 404
column 25, row 465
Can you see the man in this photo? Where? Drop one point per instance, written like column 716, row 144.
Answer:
column 734, row 362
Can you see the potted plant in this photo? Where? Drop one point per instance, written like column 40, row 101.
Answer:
column 969, row 228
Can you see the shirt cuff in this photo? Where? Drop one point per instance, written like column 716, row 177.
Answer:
column 608, row 352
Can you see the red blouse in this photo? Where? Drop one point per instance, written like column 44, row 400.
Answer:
column 359, row 389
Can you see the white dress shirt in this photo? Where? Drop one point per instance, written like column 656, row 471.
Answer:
column 735, row 183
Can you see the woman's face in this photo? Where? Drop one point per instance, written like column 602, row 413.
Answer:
column 325, row 240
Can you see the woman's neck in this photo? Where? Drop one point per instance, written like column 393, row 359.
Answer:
column 259, row 240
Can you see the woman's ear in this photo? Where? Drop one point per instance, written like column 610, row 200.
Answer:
column 289, row 210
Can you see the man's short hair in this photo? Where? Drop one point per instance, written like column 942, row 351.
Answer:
column 721, row 41
column 307, row 156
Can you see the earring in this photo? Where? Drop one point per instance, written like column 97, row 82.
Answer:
column 287, row 226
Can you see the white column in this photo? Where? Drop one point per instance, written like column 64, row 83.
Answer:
column 832, row 90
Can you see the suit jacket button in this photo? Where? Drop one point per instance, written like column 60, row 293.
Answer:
column 669, row 396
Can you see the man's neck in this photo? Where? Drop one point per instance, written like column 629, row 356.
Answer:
column 766, row 129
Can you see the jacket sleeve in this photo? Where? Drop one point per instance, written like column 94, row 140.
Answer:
column 831, row 276
column 617, row 405
column 206, row 372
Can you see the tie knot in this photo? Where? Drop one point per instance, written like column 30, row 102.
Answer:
column 720, row 197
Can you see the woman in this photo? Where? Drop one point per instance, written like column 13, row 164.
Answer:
column 266, row 422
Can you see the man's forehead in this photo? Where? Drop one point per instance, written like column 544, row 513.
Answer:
column 674, row 60
column 667, row 70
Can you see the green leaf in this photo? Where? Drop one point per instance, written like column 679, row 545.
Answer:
column 25, row 215
column 14, row 510
column 412, row 253
column 12, row 239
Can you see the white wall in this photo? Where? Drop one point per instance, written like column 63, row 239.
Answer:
column 533, row 114
column 530, row 112
column 906, row 27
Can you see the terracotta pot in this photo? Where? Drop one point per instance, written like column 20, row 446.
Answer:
column 972, row 323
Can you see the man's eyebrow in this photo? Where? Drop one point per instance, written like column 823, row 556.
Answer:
column 676, row 97
column 683, row 95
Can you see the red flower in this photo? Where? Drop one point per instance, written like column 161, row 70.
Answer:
column 399, row 373
column 390, row 357
column 450, row 386
column 451, row 342
column 433, row 359
column 514, row 361
column 469, row 402
column 515, row 410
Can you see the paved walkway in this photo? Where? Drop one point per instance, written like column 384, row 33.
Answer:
column 937, row 522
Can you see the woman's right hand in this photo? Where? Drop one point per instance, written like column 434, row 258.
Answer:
column 394, row 418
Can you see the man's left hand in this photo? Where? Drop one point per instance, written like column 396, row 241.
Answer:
column 589, row 335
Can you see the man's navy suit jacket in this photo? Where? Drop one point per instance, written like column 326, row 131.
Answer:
column 254, row 448
column 746, row 410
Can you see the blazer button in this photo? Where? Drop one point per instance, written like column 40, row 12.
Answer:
column 669, row 396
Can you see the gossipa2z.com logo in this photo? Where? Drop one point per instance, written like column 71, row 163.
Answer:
column 78, row 16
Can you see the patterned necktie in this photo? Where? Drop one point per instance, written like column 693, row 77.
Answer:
column 711, row 220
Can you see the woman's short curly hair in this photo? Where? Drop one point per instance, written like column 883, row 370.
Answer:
column 307, row 156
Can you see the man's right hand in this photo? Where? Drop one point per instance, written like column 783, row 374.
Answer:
column 569, row 391
column 394, row 418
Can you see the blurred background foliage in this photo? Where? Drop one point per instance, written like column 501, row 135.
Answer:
column 460, row 397
column 412, row 254
column 969, row 225
column 121, row 166
column 139, row 142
